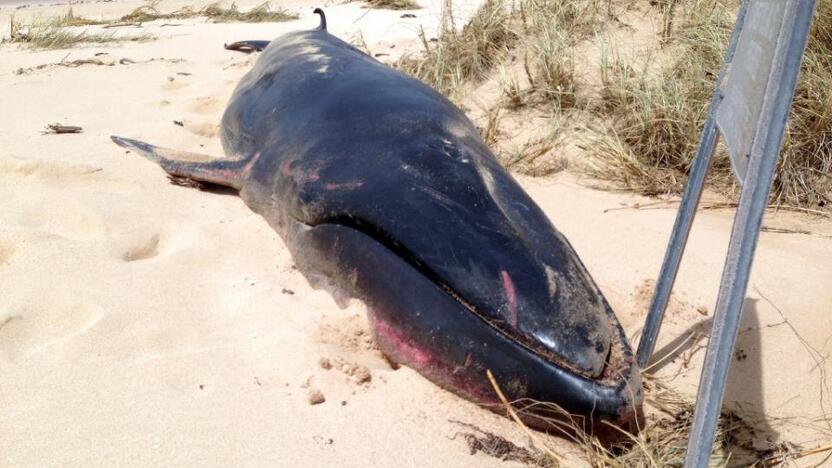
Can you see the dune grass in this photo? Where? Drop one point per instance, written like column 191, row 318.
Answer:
column 804, row 175
column 217, row 13
column 541, row 33
column 650, row 120
column 463, row 55
column 63, row 33
column 534, row 157
column 393, row 4
column 657, row 120
column 551, row 30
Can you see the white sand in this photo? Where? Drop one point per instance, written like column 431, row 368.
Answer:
column 146, row 324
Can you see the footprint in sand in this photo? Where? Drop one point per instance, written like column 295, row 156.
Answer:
column 66, row 218
column 205, row 105
column 143, row 248
column 154, row 242
column 59, row 173
column 203, row 128
column 149, row 242
column 30, row 329
column 50, row 197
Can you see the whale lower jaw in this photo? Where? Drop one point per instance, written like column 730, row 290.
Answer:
column 416, row 322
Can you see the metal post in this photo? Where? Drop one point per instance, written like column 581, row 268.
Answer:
column 752, row 205
column 687, row 210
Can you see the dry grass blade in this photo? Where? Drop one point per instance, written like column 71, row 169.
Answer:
column 535, row 157
column 512, row 91
column 491, row 132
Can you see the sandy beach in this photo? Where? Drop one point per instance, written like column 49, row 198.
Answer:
column 148, row 324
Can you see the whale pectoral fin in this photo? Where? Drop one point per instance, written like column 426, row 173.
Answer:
column 247, row 46
column 193, row 166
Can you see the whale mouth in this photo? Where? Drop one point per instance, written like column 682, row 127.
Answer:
column 427, row 325
column 531, row 342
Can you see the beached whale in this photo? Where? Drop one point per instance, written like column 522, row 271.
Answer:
column 381, row 184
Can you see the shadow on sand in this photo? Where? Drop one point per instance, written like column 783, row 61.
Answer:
column 744, row 398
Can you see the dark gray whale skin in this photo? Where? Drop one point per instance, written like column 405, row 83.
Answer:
column 383, row 186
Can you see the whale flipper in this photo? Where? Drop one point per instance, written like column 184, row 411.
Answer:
column 247, row 46
column 187, row 165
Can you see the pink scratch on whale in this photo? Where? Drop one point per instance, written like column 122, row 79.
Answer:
column 402, row 345
column 511, row 298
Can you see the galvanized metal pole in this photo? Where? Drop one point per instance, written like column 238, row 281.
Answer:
column 752, row 205
column 687, row 211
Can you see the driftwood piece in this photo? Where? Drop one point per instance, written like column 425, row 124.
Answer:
column 122, row 25
column 107, row 62
column 59, row 129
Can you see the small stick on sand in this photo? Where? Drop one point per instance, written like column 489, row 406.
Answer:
column 122, row 25
column 666, row 204
column 60, row 129
column 779, row 230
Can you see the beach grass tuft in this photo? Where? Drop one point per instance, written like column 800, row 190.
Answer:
column 262, row 13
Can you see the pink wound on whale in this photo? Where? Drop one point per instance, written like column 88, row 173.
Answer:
column 401, row 346
column 344, row 185
column 301, row 177
column 511, row 298
column 247, row 168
